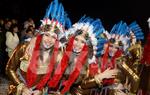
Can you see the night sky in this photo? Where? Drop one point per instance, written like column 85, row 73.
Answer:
column 109, row 11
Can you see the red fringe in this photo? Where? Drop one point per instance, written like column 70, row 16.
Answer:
column 74, row 75
column 46, row 77
column 117, row 54
column 105, row 63
column 93, row 69
column 31, row 71
column 105, row 59
column 62, row 66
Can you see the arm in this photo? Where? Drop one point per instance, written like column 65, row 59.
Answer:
column 97, row 80
column 14, row 62
column 129, row 75
column 90, row 83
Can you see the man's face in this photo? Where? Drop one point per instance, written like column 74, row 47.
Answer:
column 29, row 34
column 78, row 43
column 8, row 24
column 48, row 40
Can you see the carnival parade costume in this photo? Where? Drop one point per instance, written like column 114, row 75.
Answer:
column 65, row 70
column 25, row 67
column 126, row 41
column 75, row 65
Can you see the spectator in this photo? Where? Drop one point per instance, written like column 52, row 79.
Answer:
column 12, row 39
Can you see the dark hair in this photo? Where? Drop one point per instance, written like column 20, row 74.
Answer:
column 28, row 30
column 12, row 27
column 78, row 32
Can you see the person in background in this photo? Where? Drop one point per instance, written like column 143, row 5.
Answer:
column 7, row 25
column 12, row 39
column 14, row 21
column 28, row 35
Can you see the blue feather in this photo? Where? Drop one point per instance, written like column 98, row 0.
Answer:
column 85, row 19
column 82, row 18
column 98, row 54
column 55, row 9
column 68, row 23
column 58, row 13
column 98, row 32
column 49, row 10
column 62, row 15
column 135, row 28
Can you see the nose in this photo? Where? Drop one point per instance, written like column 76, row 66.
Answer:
column 77, row 43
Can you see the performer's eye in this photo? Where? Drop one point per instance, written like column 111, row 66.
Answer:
column 82, row 42
column 76, row 39
column 53, row 37
column 47, row 35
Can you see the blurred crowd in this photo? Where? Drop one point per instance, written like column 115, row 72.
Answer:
column 11, row 34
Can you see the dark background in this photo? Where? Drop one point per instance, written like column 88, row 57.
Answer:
column 109, row 11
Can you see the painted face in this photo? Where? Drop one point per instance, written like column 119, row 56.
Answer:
column 48, row 40
column 78, row 43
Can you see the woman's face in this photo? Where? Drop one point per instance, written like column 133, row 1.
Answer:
column 112, row 49
column 48, row 40
column 15, row 29
column 78, row 43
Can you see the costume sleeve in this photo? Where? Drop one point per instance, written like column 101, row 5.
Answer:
column 14, row 63
column 89, row 83
column 128, row 75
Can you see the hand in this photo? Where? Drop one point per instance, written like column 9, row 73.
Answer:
column 127, row 85
column 120, row 92
column 108, row 73
column 37, row 92
column 26, row 91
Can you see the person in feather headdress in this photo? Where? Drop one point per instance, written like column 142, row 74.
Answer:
column 78, row 69
column 31, row 65
column 123, row 52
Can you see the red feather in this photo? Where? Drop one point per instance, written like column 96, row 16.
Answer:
column 74, row 75
column 62, row 66
column 31, row 71
column 46, row 77
column 93, row 69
